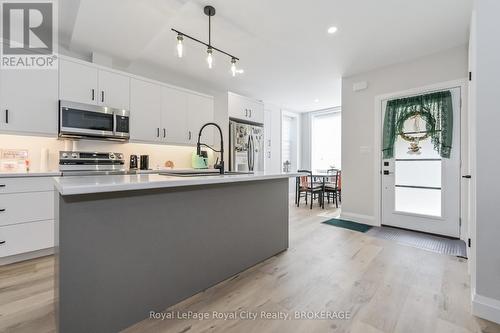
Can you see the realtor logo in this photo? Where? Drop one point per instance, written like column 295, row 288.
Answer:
column 28, row 35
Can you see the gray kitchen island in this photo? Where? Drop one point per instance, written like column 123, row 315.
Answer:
column 130, row 244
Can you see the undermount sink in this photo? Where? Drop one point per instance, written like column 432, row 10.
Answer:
column 201, row 174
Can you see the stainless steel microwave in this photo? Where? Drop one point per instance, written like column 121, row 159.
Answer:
column 77, row 120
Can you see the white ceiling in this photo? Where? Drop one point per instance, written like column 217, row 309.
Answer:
column 287, row 55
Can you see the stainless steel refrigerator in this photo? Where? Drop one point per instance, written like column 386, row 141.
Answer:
column 246, row 146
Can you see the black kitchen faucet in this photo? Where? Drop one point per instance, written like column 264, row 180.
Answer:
column 220, row 165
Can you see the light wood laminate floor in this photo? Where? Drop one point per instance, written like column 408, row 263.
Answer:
column 385, row 286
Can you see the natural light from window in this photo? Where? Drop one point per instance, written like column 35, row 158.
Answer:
column 326, row 141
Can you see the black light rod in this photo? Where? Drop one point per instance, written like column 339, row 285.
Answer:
column 207, row 45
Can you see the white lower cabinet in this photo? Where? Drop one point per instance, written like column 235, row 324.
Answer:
column 26, row 207
column 26, row 215
column 26, row 237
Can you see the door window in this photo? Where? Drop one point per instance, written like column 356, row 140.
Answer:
column 417, row 169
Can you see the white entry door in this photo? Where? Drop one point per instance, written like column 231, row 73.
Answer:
column 422, row 191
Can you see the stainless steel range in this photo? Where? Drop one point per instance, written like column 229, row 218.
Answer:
column 91, row 163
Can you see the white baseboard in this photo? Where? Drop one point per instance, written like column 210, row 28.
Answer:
column 365, row 219
column 486, row 308
column 26, row 256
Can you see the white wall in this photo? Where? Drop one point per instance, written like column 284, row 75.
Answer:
column 274, row 128
column 358, row 116
column 485, row 108
column 305, row 142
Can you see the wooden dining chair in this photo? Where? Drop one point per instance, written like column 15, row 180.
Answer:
column 306, row 187
column 332, row 188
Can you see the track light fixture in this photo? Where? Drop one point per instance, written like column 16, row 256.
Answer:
column 209, row 11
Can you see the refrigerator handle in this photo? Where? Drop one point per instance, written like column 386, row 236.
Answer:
column 253, row 153
column 248, row 153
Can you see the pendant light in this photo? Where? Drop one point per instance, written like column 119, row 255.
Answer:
column 179, row 45
column 209, row 11
column 210, row 58
column 233, row 66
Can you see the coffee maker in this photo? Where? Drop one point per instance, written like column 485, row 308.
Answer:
column 134, row 162
column 144, row 159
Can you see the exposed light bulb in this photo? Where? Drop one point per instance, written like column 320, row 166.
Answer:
column 233, row 66
column 179, row 46
column 210, row 58
column 332, row 30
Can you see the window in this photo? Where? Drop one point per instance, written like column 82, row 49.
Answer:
column 417, row 175
column 289, row 141
column 326, row 140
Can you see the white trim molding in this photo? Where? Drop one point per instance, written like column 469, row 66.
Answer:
column 359, row 218
column 485, row 307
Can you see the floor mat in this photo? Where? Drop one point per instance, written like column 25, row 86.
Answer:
column 454, row 247
column 348, row 225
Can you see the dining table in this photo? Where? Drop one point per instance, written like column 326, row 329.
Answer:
column 320, row 178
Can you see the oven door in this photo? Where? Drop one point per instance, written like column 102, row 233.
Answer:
column 76, row 119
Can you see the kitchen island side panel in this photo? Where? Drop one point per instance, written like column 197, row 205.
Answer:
column 124, row 254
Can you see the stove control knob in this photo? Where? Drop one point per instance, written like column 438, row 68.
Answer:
column 74, row 155
column 64, row 155
column 112, row 156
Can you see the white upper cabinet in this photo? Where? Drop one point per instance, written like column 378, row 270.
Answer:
column 145, row 111
column 163, row 114
column 29, row 101
column 88, row 84
column 78, row 82
column 200, row 112
column 174, row 115
column 158, row 113
column 114, row 90
column 244, row 108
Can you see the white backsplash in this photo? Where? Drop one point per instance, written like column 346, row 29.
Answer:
column 158, row 154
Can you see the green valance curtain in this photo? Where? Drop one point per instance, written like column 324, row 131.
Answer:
column 437, row 111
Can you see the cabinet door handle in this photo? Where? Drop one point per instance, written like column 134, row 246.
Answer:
column 102, row 96
column 2, row 210
column 189, row 135
column 93, row 94
column 6, row 116
column 250, row 113
column 157, row 132
column 246, row 113
column 164, row 133
column 2, row 242
column 2, row 185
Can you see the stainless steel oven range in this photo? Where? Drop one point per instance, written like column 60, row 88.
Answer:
column 73, row 163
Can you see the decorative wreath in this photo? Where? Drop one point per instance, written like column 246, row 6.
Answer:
column 430, row 125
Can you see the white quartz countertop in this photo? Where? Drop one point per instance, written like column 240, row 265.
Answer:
column 112, row 183
column 30, row 174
